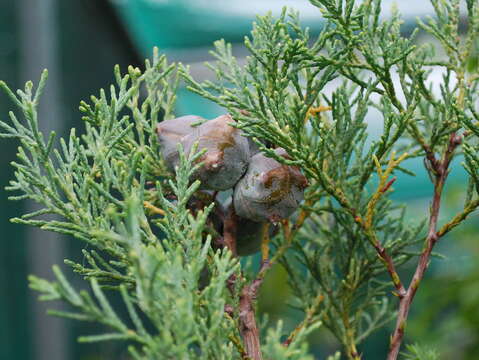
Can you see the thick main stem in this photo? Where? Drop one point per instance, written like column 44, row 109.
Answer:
column 247, row 320
column 248, row 328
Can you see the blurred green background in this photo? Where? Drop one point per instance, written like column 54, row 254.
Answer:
column 80, row 41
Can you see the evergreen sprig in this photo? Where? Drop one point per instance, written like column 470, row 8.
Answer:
column 345, row 212
column 98, row 185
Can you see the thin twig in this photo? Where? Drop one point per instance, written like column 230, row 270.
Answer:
column 458, row 218
column 308, row 319
column 153, row 208
column 367, row 224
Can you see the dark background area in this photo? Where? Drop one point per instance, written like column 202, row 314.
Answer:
column 88, row 40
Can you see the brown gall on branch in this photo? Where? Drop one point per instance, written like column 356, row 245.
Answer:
column 279, row 192
column 171, row 132
column 269, row 191
column 227, row 150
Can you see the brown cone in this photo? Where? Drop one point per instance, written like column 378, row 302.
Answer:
column 269, row 191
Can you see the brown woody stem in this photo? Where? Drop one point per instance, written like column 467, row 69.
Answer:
column 229, row 232
column 440, row 172
column 248, row 328
column 388, row 262
column 247, row 320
